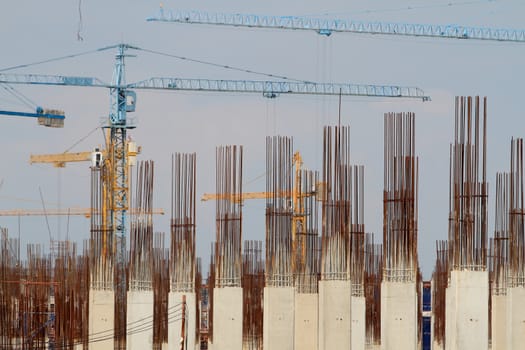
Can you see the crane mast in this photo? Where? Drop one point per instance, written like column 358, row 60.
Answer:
column 117, row 148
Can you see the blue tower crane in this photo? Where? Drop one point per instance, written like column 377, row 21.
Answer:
column 328, row 26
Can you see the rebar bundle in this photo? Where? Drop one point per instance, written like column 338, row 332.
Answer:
column 182, row 262
column 228, row 259
column 198, row 299
column 252, row 292
column 102, row 240
column 121, row 286
column 71, row 293
column 279, row 211
column 499, row 244
column 373, row 275
column 516, row 217
column 44, row 300
column 35, row 303
column 400, row 198
column 357, row 232
column 11, row 291
column 307, row 245
column 336, row 204
column 211, row 287
column 161, row 288
column 468, row 186
column 440, row 281
column 141, row 232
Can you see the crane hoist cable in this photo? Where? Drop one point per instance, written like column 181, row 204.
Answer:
column 219, row 65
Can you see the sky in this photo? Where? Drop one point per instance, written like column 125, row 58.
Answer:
column 169, row 122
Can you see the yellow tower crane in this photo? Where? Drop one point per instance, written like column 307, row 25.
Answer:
column 59, row 160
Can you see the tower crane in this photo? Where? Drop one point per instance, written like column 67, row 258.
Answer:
column 59, row 160
column 326, row 27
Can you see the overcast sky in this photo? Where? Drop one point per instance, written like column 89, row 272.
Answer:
column 169, row 122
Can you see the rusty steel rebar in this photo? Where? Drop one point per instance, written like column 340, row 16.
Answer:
column 307, row 246
column 516, row 217
column 440, row 284
column 373, row 276
column 253, row 282
column 102, row 240
column 141, row 231
column 400, row 198
column 183, row 192
column 10, row 297
column 71, row 293
column 161, row 287
column 357, row 231
column 336, row 204
column 43, row 299
column 279, row 211
column 198, row 300
column 211, row 287
column 228, row 255
column 499, row 244
column 468, row 186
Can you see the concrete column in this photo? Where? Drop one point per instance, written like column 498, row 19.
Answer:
column 335, row 317
column 306, row 321
column 358, row 323
column 227, row 318
column 139, row 320
column 437, row 346
column 450, row 314
column 175, row 321
column 101, row 319
column 467, row 311
column 516, row 317
column 399, row 322
column 373, row 347
column 499, row 322
column 278, row 318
